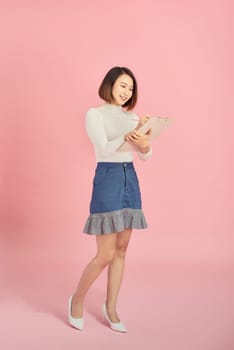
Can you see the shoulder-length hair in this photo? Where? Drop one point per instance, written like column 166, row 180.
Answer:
column 105, row 89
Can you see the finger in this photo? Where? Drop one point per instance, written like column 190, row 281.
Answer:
column 130, row 137
column 132, row 134
column 135, row 142
column 139, row 136
column 134, row 137
column 136, row 133
column 149, row 132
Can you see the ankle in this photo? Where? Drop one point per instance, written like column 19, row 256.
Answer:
column 110, row 307
column 76, row 300
column 112, row 314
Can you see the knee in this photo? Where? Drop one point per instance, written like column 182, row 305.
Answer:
column 121, row 249
column 105, row 259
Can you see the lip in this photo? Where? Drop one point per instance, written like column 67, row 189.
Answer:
column 123, row 98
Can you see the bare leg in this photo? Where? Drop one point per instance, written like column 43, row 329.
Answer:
column 106, row 245
column 115, row 274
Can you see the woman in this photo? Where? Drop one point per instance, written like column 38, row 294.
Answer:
column 115, row 208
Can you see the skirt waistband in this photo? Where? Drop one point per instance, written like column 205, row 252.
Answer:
column 115, row 165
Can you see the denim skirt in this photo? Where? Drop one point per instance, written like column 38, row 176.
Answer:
column 116, row 200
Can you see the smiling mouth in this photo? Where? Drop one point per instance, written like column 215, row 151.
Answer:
column 123, row 98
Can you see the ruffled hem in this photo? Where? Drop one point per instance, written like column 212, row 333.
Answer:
column 115, row 221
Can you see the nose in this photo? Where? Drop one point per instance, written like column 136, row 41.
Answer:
column 126, row 93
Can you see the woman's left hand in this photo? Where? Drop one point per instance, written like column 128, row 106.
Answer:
column 140, row 140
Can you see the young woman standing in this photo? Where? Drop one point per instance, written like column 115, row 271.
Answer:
column 115, row 208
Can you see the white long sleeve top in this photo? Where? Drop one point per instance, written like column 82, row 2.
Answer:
column 106, row 127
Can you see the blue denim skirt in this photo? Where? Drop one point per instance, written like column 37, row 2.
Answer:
column 116, row 200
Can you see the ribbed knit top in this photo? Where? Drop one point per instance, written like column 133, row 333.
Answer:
column 106, row 126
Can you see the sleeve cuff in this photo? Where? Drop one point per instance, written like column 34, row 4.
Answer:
column 145, row 156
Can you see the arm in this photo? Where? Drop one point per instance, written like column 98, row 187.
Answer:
column 96, row 132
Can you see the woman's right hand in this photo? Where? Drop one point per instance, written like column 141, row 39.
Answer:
column 142, row 121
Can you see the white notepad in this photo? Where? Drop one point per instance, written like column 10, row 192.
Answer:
column 156, row 124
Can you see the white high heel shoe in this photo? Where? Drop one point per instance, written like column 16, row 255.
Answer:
column 116, row 326
column 75, row 322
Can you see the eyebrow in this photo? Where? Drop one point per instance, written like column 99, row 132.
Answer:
column 122, row 82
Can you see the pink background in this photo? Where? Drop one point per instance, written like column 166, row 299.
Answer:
column 54, row 55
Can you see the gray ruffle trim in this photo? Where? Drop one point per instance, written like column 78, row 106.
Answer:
column 115, row 221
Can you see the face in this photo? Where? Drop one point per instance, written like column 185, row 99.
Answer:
column 122, row 89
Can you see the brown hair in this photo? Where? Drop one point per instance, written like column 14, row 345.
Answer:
column 105, row 89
